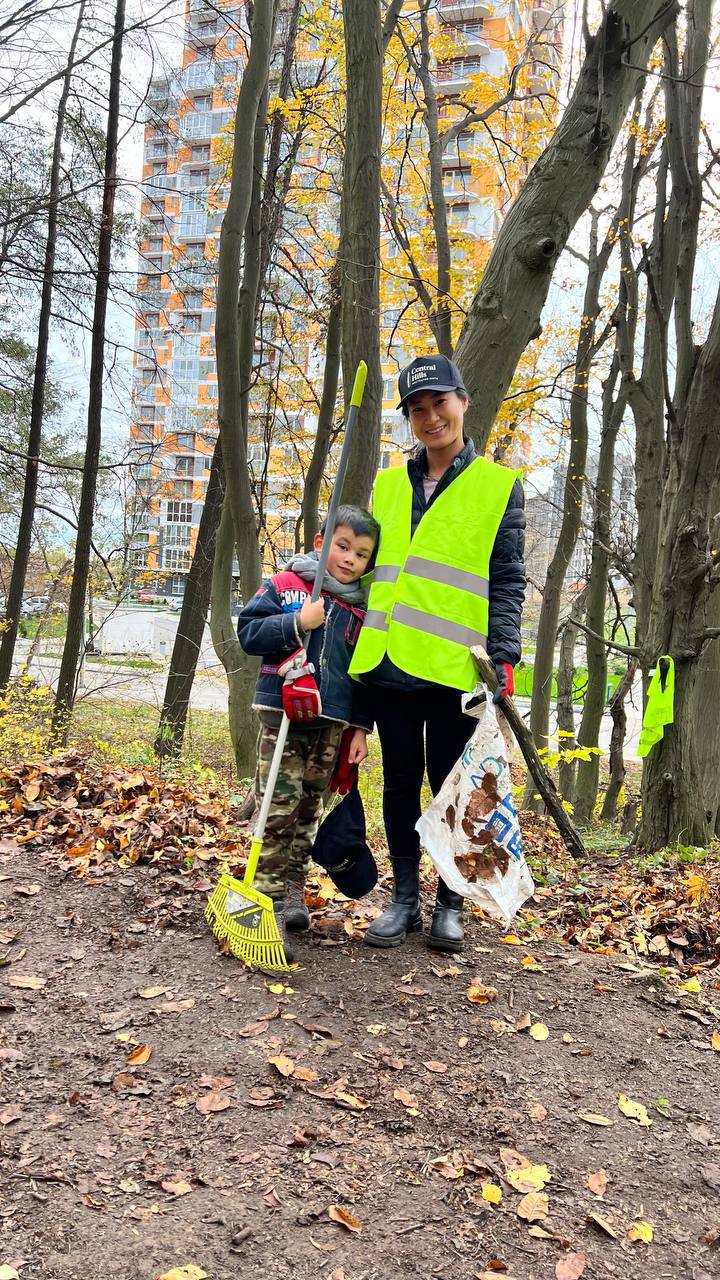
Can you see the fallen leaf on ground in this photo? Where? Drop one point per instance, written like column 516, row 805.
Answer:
column 512, row 940
column 188, row 1272
column 533, row 1206
column 641, row 1230
column 149, row 993
column 492, row 1193
column 711, row 1175
column 27, row 890
column 571, row 1266
column 283, row 1064
column 539, row 1031
column 715, row 1040
column 537, row 1112
column 10, row 1113
column 593, row 1117
column 531, row 964
column 692, row 987
column 597, row 1182
column 634, row 1110
column 350, row 1100
column 449, row 1166
column 532, row 1179
column 173, row 1006
column 8, row 1273
column 26, row 981
column 408, row 1099
column 344, row 1219
column 438, row 1067
column 306, row 1073
column 603, row 1225
column 140, row 1056
column 478, row 993
column 253, row 1029
column 279, row 989
column 376, row 1028
column 180, row 1188
column 212, row 1102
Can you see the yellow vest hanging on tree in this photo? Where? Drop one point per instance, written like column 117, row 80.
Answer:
column 428, row 601
column 660, row 709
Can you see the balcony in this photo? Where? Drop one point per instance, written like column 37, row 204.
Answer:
column 471, row 9
column 456, row 73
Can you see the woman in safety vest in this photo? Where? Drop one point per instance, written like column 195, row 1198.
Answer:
column 449, row 574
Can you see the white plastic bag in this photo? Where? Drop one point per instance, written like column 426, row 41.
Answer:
column 471, row 829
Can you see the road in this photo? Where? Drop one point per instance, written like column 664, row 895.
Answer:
column 209, row 693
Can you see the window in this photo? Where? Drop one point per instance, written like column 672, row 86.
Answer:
column 231, row 41
column 176, row 558
column 199, row 153
column 183, row 465
column 186, row 370
column 393, row 249
column 182, row 488
column 197, row 125
column 459, row 215
column 139, row 558
column 199, row 177
column 193, row 302
column 177, row 535
column 159, row 167
column 391, row 317
column 144, row 432
column 155, row 246
column 203, row 104
column 187, row 346
column 191, row 224
column 191, row 323
column 184, row 441
column 199, row 73
column 179, row 512
column 191, row 201
column 389, row 389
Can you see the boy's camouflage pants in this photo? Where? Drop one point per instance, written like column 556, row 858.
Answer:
column 307, row 765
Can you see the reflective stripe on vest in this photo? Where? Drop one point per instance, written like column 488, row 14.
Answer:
column 429, row 595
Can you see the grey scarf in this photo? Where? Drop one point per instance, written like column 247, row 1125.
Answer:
column 306, row 566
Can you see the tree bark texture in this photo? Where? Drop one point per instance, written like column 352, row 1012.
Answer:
column 191, row 624
column 227, row 321
column 588, row 771
column 359, row 256
column 617, row 743
column 505, row 313
column 240, row 669
column 37, row 405
column 673, row 803
column 67, row 677
column 326, row 418
column 565, row 704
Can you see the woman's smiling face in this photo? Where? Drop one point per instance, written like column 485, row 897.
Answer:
column 436, row 418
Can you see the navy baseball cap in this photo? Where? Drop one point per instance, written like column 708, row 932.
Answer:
column 341, row 848
column 429, row 373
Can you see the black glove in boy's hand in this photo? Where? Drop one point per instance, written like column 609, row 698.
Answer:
column 506, row 682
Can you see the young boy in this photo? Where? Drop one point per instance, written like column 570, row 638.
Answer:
column 280, row 620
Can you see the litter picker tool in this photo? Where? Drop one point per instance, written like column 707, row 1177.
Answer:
column 237, row 912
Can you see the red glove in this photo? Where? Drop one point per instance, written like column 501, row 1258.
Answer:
column 345, row 775
column 506, row 682
column 300, row 694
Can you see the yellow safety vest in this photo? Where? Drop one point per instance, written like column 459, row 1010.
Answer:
column 428, row 599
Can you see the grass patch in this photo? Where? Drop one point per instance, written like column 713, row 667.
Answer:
column 125, row 731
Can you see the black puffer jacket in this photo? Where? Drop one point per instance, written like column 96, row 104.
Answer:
column 507, row 570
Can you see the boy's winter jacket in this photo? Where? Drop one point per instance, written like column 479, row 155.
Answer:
column 268, row 626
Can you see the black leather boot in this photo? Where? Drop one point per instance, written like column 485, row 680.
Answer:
column 403, row 915
column 446, row 930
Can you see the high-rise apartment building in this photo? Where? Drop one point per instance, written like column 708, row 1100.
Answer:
column 184, row 189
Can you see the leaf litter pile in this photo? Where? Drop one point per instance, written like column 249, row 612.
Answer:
column 526, row 1110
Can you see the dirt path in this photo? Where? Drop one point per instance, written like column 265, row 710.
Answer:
column 405, row 1102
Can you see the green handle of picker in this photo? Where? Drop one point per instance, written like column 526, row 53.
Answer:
column 359, row 385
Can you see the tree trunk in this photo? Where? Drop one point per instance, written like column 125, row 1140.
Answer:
column 565, row 704
column 441, row 316
column 505, row 313
column 37, row 404
column 65, row 692
column 588, row 771
column 231, row 391
column 617, row 743
column 359, row 255
column 673, row 803
column 240, row 669
column 326, row 419
column 191, row 624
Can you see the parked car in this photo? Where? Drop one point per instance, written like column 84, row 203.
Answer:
column 175, row 603
column 34, row 604
column 149, row 597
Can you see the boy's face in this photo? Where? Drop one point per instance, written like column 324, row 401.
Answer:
column 350, row 553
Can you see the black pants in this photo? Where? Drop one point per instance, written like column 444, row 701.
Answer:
column 416, row 729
